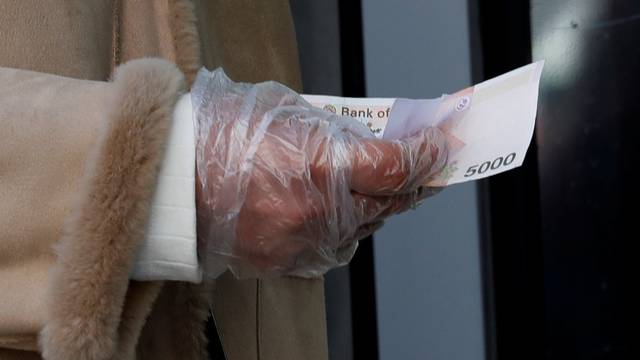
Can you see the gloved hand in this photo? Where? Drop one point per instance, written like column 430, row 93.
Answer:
column 288, row 189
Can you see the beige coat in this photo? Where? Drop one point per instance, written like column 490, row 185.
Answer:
column 78, row 163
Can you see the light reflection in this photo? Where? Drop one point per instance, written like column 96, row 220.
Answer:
column 560, row 41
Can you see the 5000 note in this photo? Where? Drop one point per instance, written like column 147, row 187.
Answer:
column 489, row 126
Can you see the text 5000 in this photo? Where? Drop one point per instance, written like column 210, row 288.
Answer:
column 490, row 165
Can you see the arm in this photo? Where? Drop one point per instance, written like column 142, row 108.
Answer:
column 79, row 162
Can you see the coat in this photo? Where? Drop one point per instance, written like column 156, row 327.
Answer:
column 82, row 133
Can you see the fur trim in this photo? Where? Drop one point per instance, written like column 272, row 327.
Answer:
column 185, row 37
column 95, row 254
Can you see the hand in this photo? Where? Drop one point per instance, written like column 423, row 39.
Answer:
column 288, row 189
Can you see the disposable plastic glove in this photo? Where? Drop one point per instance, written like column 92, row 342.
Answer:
column 288, row 189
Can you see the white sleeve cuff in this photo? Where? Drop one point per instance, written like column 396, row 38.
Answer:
column 169, row 251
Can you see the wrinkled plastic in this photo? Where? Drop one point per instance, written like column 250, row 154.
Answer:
column 285, row 188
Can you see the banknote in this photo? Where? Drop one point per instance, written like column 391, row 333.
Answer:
column 488, row 126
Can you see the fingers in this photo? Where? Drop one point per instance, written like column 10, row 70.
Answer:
column 349, row 245
column 367, row 230
column 399, row 166
column 372, row 210
column 377, row 208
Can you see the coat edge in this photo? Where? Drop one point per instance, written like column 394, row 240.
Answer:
column 89, row 281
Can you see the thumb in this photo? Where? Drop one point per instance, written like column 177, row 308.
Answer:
column 397, row 166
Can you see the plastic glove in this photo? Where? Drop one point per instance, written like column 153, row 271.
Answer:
column 288, row 189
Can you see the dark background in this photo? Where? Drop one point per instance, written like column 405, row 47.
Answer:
column 561, row 227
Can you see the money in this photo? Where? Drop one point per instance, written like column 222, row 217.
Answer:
column 488, row 126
